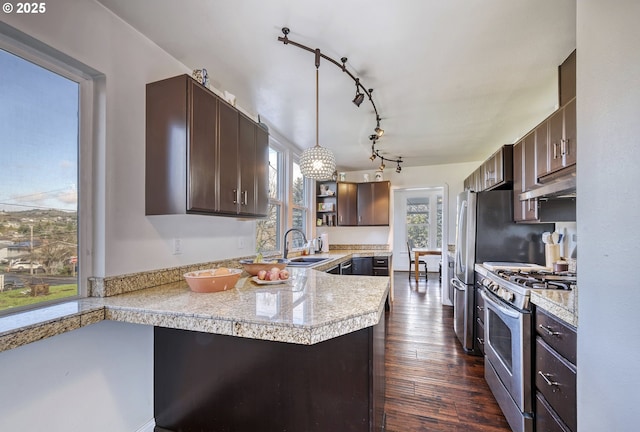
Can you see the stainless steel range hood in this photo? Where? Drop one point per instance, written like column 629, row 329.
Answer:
column 560, row 188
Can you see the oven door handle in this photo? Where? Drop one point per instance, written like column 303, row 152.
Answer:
column 503, row 309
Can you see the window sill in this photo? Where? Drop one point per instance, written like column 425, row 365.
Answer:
column 30, row 326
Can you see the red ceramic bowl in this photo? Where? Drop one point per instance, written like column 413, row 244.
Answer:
column 206, row 281
column 253, row 268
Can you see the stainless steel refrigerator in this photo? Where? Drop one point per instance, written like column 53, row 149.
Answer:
column 485, row 231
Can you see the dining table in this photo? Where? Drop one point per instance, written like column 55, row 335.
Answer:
column 418, row 252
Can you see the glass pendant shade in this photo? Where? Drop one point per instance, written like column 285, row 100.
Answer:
column 317, row 163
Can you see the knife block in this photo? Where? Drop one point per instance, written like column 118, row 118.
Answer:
column 552, row 254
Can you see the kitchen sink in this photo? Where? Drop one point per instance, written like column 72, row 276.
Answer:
column 305, row 261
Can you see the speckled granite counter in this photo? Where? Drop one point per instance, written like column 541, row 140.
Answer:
column 312, row 307
column 562, row 304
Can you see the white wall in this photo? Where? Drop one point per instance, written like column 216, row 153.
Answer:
column 98, row 378
column 608, row 68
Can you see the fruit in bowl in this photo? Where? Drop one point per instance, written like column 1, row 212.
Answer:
column 253, row 268
column 212, row 280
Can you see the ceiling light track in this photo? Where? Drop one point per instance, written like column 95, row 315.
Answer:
column 361, row 92
column 375, row 154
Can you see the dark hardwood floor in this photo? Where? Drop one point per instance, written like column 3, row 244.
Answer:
column 431, row 384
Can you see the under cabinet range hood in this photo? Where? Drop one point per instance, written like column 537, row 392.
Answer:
column 564, row 187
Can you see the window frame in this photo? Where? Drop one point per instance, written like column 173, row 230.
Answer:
column 289, row 155
column 90, row 117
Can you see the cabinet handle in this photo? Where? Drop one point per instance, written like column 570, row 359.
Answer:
column 480, row 308
column 555, row 150
column 235, row 196
column 245, row 198
column 480, row 341
column 565, row 149
column 548, row 330
column 546, row 379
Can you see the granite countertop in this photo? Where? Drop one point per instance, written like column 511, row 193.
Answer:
column 562, row 304
column 311, row 307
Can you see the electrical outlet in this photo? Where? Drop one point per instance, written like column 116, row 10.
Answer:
column 241, row 244
column 177, row 246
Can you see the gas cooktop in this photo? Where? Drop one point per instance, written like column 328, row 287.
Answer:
column 514, row 286
column 538, row 279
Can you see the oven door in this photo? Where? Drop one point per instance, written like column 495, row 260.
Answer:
column 508, row 352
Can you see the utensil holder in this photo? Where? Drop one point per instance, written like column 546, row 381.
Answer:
column 552, row 254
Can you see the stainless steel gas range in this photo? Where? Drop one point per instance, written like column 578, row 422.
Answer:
column 508, row 334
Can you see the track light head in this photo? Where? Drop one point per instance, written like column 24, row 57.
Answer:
column 398, row 168
column 382, row 166
column 358, row 99
column 379, row 131
column 373, row 157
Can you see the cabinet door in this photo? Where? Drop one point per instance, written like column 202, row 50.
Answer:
column 202, row 156
column 347, row 204
column 262, row 171
column 247, row 165
column 381, row 191
column 229, row 174
column 554, row 156
column 373, row 203
column 518, row 184
column 570, row 143
column 542, row 149
column 489, row 172
column 529, row 179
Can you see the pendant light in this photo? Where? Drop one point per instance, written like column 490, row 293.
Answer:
column 317, row 162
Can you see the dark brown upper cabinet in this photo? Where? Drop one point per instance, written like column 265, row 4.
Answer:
column 559, row 151
column 524, row 177
column 373, row 203
column 347, row 204
column 202, row 155
column 494, row 173
column 567, row 79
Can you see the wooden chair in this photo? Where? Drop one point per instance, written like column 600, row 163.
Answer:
column 412, row 262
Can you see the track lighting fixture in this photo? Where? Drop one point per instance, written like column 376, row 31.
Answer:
column 357, row 100
column 361, row 92
column 376, row 154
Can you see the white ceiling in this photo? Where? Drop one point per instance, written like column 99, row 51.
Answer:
column 452, row 80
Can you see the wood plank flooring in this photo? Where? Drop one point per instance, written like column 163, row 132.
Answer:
column 431, row 384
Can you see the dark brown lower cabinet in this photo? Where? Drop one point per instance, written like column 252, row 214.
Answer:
column 208, row 382
column 555, row 374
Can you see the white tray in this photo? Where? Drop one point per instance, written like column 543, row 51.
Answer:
column 513, row 266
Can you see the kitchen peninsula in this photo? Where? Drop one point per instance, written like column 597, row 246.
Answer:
column 303, row 355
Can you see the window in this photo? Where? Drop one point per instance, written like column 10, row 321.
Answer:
column 424, row 220
column 268, row 230
column 299, row 208
column 40, row 135
column 285, row 198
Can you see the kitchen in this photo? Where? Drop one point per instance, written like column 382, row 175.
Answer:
column 115, row 388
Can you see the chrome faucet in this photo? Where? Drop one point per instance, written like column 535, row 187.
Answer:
column 284, row 240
